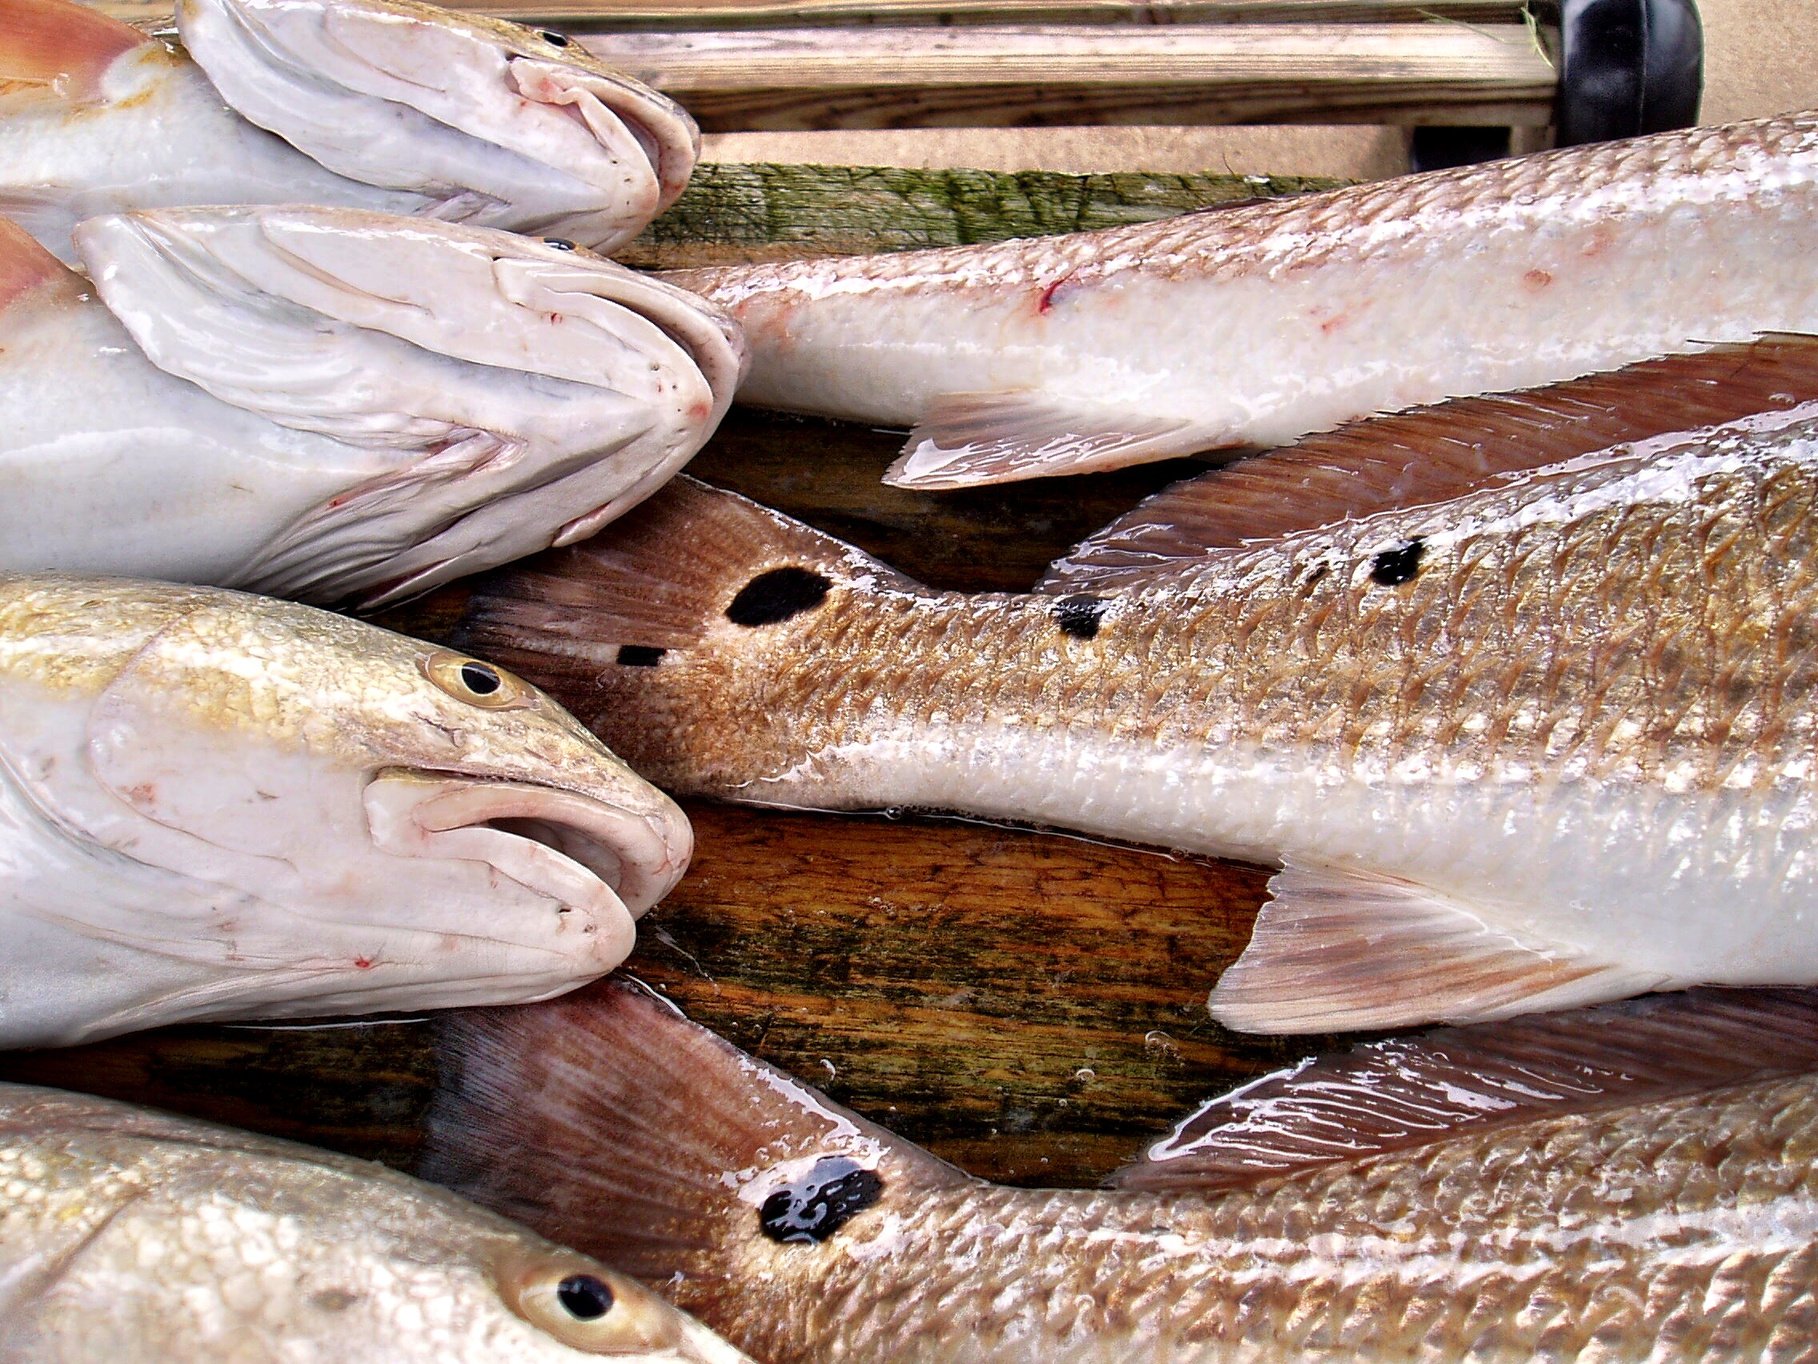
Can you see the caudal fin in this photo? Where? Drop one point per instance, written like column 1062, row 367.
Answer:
column 660, row 632
column 60, row 49
column 607, row 1121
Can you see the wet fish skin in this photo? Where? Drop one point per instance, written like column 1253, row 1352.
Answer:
column 131, row 1235
column 1544, row 743
column 1253, row 325
column 1574, row 1220
column 221, row 806
column 389, row 105
column 324, row 403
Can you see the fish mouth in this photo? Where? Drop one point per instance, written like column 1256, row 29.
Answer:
column 583, row 852
column 489, row 122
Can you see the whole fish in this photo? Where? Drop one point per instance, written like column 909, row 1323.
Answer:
column 1630, row 1183
column 1529, row 741
column 1257, row 324
column 326, row 402
column 130, row 1235
column 220, row 806
column 380, row 104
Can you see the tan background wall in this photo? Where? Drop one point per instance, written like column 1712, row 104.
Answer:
column 1761, row 57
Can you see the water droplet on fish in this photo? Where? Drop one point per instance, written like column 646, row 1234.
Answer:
column 832, row 1070
column 1085, row 1073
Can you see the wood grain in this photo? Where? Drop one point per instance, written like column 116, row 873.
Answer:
column 802, row 78
column 580, row 14
column 733, row 213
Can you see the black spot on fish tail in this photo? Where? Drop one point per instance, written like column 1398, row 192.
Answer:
column 811, row 1209
column 639, row 655
column 1079, row 615
column 1393, row 567
column 777, row 595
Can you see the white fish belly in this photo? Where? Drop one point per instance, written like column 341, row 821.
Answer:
column 1521, row 296
column 108, row 465
column 1718, row 888
column 164, row 139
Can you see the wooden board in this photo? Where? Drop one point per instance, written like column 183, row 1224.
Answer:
column 642, row 14
column 1031, row 1005
column 1046, row 75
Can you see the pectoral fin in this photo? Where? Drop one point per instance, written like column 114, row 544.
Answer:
column 1341, row 950
column 965, row 439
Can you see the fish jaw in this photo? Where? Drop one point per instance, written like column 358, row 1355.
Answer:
column 532, row 391
column 615, row 860
column 503, row 125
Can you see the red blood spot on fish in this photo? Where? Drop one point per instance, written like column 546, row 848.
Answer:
column 700, row 411
column 1537, row 279
column 1051, row 295
column 363, row 963
column 1332, row 324
column 143, row 794
column 556, row 318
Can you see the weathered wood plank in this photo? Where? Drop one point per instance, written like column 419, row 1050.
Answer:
column 580, row 14
column 781, row 79
column 772, row 212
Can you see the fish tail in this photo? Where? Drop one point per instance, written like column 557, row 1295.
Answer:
column 60, row 47
column 678, row 612
column 607, row 1121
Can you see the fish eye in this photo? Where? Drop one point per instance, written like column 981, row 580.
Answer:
column 588, row 1307
column 559, row 243
column 553, row 39
column 477, row 683
column 586, row 1297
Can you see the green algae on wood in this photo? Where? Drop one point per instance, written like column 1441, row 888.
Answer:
column 732, row 212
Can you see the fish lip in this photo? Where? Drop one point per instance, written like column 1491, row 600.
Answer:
column 587, row 851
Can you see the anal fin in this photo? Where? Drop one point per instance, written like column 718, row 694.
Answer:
column 967, row 439
column 1337, row 951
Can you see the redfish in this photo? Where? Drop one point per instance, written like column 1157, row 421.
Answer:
column 1634, row 1182
column 1530, row 722
column 390, row 105
column 1251, row 326
column 131, row 1236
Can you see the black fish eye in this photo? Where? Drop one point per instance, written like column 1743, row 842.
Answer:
column 554, row 39
column 480, row 679
column 559, row 243
column 584, row 1297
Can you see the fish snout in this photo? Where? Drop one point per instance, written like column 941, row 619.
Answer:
column 603, row 854
column 492, row 123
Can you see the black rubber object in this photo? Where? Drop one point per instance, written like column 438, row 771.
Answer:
column 1627, row 67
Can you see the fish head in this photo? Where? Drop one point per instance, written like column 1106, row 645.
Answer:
column 344, row 819
column 493, row 123
column 515, row 392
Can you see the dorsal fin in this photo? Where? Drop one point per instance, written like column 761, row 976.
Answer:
column 1433, row 454
column 1408, row 1092
column 60, row 47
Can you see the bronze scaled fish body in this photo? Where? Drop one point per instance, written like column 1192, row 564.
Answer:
column 1544, row 742
column 218, row 806
column 133, row 1236
column 1254, row 325
column 391, row 105
column 1623, row 1184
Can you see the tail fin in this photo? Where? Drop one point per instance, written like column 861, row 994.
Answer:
column 29, row 272
column 669, row 612
column 607, row 1121
column 61, row 48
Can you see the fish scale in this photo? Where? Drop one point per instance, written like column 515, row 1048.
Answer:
column 1256, row 324
column 1546, row 739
